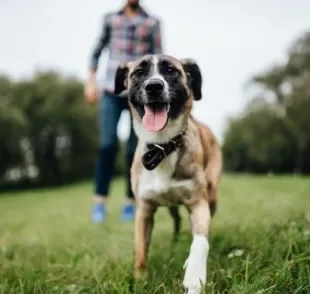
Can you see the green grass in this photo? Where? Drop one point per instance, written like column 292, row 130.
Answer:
column 49, row 245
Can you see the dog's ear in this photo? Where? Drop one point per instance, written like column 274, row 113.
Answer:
column 194, row 77
column 121, row 76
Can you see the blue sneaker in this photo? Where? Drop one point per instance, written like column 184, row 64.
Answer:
column 98, row 213
column 128, row 213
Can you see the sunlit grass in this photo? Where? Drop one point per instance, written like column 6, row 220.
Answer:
column 260, row 242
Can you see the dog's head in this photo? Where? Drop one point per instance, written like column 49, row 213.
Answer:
column 160, row 89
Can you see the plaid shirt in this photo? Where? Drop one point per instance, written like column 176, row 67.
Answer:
column 127, row 39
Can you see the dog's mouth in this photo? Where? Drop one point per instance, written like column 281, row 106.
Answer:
column 155, row 115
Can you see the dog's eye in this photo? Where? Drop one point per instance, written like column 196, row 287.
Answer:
column 171, row 70
column 139, row 72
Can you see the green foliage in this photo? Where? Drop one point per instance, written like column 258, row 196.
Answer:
column 272, row 134
column 258, row 142
column 259, row 242
column 13, row 125
column 46, row 125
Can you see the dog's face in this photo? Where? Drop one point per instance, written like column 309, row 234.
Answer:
column 160, row 89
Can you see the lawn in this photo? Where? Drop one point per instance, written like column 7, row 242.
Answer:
column 260, row 242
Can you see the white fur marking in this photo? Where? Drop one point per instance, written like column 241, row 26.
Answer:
column 156, row 75
column 196, row 265
column 158, row 186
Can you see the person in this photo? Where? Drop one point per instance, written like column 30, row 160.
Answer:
column 127, row 34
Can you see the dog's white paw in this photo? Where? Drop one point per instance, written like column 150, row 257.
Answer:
column 196, row 266
column 195, row 276
column 192, row 291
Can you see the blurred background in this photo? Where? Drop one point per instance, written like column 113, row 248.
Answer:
column 255, row 59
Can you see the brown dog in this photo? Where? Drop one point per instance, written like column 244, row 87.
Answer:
column 177, row 160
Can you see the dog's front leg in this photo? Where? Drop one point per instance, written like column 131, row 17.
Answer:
column 196, row 263
column 144, row 221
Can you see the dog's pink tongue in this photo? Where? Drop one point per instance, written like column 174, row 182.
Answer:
column 154, row 120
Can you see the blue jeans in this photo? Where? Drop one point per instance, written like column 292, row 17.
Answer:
column 111, row 107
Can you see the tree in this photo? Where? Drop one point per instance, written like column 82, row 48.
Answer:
column 282, row 123
column 48, row 126
column 290, row 84
column 13, row 127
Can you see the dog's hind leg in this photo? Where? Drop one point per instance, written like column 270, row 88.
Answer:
column 213, row 175
column 212, row 198
column 175, row 213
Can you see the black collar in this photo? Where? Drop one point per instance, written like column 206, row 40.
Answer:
column 157, row 152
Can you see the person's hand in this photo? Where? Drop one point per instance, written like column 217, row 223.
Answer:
column 91, row 91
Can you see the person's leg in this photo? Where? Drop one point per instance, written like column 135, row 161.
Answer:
column 110, row 111
column 130, row 152
column 129, row 207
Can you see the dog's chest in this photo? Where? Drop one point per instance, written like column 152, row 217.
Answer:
column 159, row 185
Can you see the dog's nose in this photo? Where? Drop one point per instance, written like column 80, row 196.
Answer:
column 154, row 87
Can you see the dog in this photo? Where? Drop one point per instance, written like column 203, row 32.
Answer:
column 178, row 160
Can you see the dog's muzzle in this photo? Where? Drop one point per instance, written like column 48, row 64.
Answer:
column 154, row 87
column 155, row 106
